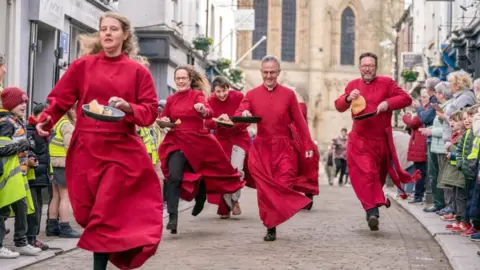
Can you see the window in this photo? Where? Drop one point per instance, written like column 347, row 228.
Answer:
column 261, row 27
column 289, row 22
column 347, row 51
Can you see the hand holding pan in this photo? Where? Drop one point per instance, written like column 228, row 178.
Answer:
column 223, row 122
column 167, row 124
column 102, row 113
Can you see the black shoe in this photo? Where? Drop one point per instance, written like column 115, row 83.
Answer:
column 478, row 253
column 7, row 231
column 198, row 208
column 53, row 228
column 373, row 223
column 172, row 223
column 310, row 205
column 66, row 231
column 432, row 209
column 271, row 234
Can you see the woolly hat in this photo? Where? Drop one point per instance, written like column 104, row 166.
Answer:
column 12, row 97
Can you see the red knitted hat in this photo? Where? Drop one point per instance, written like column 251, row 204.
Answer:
column 12, row 97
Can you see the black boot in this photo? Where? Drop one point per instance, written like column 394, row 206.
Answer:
column 66, row 231
column 100, row 261
column 200, row 199
column 52, row 229
column 271, row 234
column 373, row 223
column 309, row 206
column 172, row 223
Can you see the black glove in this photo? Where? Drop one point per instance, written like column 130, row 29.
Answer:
column 22, row 146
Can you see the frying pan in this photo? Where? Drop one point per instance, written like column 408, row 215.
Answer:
column 117, row 115
column 365, row 115
column 248, row 119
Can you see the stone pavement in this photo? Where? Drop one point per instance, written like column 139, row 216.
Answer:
column 334, row 235
column 460, row 251
column 57, row 245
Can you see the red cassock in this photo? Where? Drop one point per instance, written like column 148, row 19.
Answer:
column 370, row 149
column 307, row 181
column 204, row 153
column 273, row 157
column 228, row 137
column 113, row 188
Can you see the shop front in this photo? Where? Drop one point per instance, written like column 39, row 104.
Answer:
column 54, row 29
column 466, row 42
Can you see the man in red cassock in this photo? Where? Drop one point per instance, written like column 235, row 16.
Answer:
column 370, row 148
column 274, row 155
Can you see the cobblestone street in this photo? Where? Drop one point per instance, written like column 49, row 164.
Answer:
column 334, row 235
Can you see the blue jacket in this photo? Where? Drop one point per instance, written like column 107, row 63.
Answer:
column 428, row 115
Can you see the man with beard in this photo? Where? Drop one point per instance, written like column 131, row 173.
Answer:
column 282, row 140
column 370, row 147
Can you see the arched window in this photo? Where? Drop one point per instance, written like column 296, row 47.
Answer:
column 261, row 27
column 289, row 24
column 347, row 42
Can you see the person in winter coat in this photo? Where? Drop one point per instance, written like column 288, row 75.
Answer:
column 417, row 148
column 42, row 175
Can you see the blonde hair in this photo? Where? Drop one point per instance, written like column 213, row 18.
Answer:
column 3, row 61
column 460, row 79
column 198, row 81
column 90, row 43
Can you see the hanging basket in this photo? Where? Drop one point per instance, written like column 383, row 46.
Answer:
column 223, row 64
column 202, row 43
column 236, row 75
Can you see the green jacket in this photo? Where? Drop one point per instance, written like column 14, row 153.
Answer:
column 466, row 159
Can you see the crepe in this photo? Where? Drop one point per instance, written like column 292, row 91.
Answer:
column 95, row 107
column 359, row 104
column 229, row 122
column 178, row 122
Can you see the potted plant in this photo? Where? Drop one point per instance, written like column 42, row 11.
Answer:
column 202, row 43
column 236, row 75
column 223, row 64
column 409, row 75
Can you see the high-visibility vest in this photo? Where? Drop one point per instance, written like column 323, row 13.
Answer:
column 157, row 139
column 56, row 146
column 31, row 174
column 13, row 185
column 475, row 149
column 144, row 133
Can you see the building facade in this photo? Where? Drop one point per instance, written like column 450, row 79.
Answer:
column 319, row 43
column 40, row 39
column 167, row 30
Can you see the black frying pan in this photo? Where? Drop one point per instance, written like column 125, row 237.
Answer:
column 365, row 115
column 117, row 115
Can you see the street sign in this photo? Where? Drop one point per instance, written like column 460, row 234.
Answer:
column 245, row 19
column 411, row 60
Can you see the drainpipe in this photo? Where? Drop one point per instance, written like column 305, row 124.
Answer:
column 7, row 33
column 31, row 63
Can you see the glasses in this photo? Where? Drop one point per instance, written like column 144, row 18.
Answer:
column 182, row 79
column 367, row 66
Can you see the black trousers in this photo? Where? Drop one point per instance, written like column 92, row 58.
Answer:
column 177, row 163
column 34, row 219
column 341, row 167
column 20, row 209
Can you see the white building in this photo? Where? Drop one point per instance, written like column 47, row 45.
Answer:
column 167, row 28
column 436, row 24
column 40, row 39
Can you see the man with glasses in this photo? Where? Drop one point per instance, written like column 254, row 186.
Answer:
column 370, row 149
column 282, row 143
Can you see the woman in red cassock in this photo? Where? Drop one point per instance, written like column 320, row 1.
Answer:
column 370, row 149
column 276, row 150
column 193, row 161
column 110, row 176
column 235, row 141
